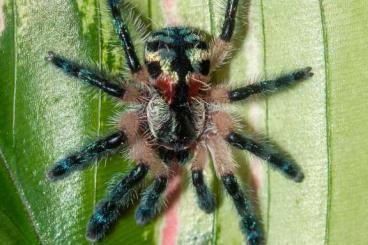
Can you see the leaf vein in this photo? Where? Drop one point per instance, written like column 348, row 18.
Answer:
column 15, row 70
column 328, row 127
column 21, row 196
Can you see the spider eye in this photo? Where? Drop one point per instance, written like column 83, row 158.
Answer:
column 153, row 46
column 154, row 69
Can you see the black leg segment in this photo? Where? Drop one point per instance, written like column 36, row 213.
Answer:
column 123, row 32
column 83, row 158
column 107, row 211
column 205, row 198
column 73, row 69
column 270, row 86
column 150, row 202
column 265, row 151
column 229, row 22
column 248, row 220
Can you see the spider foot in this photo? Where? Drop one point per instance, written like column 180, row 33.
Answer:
column 206, row 201
column 144, row 216
column 303, row 74
column 252, row 230
column 59, row 170
column 150, row 202
column 296, row 175
column 205, row 198
column 50, row 56
column 104, row 215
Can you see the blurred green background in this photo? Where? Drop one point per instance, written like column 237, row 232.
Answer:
column 322, row 122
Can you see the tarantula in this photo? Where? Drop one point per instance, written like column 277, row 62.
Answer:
column 177, row 120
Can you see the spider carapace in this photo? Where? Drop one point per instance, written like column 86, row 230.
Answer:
column 177, row 117
column 177, row 60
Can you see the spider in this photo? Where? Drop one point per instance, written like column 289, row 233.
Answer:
column 179, row 119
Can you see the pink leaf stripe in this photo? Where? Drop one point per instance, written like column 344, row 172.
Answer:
column 2, row 16
column 170, row 228
column 170, row 12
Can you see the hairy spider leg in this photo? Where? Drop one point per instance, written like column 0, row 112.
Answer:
column 267, row 152
column 205, row 198
column 84, row 157
column 222, row 95
column 249, row 222
column 221, row 47
column 91, row 77
column 229, row 22
column 121, row 29
column 107, row 211
column 270, row 86
column 149, row 205
column 225, row 167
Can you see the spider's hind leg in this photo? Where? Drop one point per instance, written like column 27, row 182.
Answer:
column 248, row 222
column 107, row 211
column 205, row 197
column 149, row 205
column 225, row 167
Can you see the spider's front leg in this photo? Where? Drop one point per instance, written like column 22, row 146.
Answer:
column 121, row 29
column 221, row 46
column 229, row 22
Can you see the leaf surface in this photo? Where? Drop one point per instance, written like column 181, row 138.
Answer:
column 321, row 122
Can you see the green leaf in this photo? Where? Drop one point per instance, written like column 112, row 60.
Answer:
column 321, row 122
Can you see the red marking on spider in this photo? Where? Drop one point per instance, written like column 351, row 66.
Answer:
column 166, row 86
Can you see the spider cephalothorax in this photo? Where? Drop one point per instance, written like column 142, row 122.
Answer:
column 177, row 60
column 177, row 120
column 178, row 63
